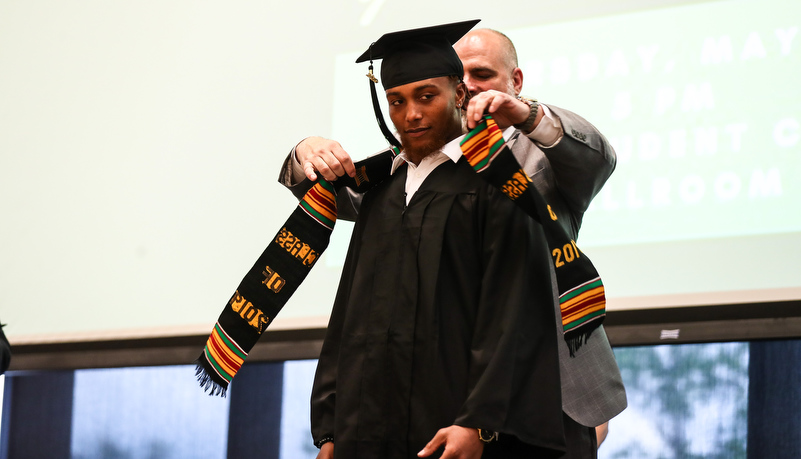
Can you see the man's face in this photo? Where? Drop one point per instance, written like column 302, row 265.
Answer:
column 425, row 114
column 486, row 65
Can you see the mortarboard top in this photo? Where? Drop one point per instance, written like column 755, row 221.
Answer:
column 418, row 54
column 414, row 55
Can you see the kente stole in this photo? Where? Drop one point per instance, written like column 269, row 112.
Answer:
column 277, row 274
column 582, row 299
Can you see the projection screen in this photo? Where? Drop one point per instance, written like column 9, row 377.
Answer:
column 140, row 144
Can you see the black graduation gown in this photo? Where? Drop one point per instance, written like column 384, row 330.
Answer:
column 444, row 315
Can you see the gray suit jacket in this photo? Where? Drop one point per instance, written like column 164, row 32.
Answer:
column 569, row 174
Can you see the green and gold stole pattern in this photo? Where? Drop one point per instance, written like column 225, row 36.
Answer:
column 582, row 298
column 277, row 274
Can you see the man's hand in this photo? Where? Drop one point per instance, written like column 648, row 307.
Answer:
column 323, row 156
column 504, row 108
column 601, row 432
column 326, row 451
column 460, row 443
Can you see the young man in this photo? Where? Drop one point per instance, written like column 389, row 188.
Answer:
column 441, row 341
column 568, row 160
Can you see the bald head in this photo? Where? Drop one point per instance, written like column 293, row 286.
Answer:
column 490, row 62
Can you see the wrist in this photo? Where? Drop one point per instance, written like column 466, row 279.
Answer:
column 487, row 436
column 528, row 125
column 301, row 149
column 319, row 443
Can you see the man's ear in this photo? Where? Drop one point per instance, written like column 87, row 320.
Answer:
column 461, row 94
column 517, row 80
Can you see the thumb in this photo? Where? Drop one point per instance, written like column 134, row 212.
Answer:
column 433, row 445
column 308, row 168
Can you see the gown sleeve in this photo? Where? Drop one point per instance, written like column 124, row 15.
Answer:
column 324, row 389
column 514, row 385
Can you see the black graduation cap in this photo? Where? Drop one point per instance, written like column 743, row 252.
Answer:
column 414, row 55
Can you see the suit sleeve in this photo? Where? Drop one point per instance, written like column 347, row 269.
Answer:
column 324, row 388
column 582, row 161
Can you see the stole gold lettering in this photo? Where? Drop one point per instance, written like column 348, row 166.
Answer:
column 303, row 251
column 361, row 175
column 252, row 315
column 515, row 186
column 273, row 280
column 238, row 302
column 550, row 211
column 281, row 237
column 310, row 259
column 297, row 248
column 570, row 252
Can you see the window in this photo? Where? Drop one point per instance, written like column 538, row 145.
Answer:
column 713, row 400
column 685, row 401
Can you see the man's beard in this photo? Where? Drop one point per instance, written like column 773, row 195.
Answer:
column 419, row 150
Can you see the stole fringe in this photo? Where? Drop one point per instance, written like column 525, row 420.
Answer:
column 574, row 343
column 206, row 381
column 580, row 335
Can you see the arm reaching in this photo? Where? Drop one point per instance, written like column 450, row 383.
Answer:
column 507, row 110
column 326, row 157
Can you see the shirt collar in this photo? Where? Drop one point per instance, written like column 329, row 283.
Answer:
column 451, row 149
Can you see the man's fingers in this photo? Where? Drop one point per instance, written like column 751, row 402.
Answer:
column 433, row 445
column 325, row 168
column 320, row 156
column 479, row 108
column 324, row 164
column 330, row 167
column 505, row 108
column 497, row 102
column 478, row 105
column 344, row 161
column 474, row 113
column 308, row 169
